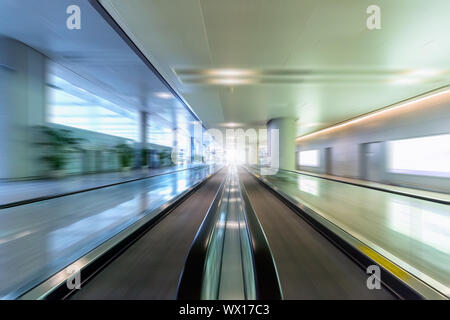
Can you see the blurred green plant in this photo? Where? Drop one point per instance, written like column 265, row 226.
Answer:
column 165, row 157
column 58, row 143
column 126, row 155
column 145, row 153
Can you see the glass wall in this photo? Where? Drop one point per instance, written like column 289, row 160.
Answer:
column 75, row 107
column 159, row 134
column 183, row 146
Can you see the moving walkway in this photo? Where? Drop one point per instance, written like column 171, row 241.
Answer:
column 144, row 260
column 291, row 259
column 231, row 237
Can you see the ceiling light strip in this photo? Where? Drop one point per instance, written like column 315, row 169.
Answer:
column 397, row 106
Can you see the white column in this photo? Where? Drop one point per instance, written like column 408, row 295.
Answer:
column 22, row 107
column 143, row 128
column 285, row 157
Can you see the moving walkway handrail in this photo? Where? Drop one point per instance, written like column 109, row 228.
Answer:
column 191, row 279
column 402, row 191
column 266, row 280
column 267, row 283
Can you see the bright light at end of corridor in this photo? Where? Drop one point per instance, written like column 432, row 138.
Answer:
column 235, row 156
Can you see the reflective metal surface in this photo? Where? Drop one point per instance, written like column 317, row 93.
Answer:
column 237, row 280
column 229, row 265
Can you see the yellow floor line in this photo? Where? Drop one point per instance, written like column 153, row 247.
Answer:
column 385, row 263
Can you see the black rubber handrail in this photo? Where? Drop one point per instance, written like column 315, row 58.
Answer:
column 266, row 277
column 267, row 283
column 362, row 185
column 191, row 280
column 104, row 186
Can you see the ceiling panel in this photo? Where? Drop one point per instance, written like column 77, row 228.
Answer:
column 248, row 61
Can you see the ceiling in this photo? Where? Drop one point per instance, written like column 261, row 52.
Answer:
column 244, row 62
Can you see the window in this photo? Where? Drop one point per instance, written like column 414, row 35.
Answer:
column 309, row 158
column 74, row 107
column 420, row 156
column 160, row 135
column 183, row 144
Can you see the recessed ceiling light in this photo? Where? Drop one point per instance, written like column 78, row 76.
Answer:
column 310, row 124
column 230, row 81
column 231, row 124
column 416, row 76
column 230, row 72
column 424, row 73
column 164, row 95
column 405, row 80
